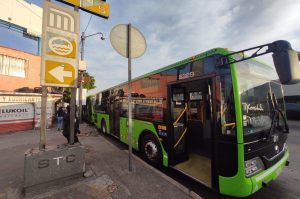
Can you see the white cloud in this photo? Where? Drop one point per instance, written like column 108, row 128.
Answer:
column 178, row 29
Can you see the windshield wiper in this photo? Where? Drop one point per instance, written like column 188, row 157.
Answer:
column 276, row 113
column 286, row 128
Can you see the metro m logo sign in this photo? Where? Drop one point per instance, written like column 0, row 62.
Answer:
column 61, row 20
column 60, row 46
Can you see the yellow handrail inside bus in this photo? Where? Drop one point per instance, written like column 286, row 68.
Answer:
column 184, row 110
column 182, row 135
column 229, row 124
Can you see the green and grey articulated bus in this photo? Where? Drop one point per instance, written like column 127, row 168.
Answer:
column 217, row 117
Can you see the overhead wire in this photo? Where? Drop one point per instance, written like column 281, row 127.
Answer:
column 22, row 3
column 88, row 24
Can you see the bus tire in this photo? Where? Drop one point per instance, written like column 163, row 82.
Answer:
column 151, row 149
column 103, row 127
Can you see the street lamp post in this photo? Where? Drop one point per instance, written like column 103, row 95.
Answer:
column 83, row 37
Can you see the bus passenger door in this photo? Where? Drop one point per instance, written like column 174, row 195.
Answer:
column 191, row 130
column 115, row 119
column 178, row 126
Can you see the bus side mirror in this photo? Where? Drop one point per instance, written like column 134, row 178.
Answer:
column 286, row 62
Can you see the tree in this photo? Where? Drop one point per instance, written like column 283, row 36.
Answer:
column 88, row 83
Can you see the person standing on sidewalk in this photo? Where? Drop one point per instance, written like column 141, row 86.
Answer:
column 66, row 129
column 60, row 118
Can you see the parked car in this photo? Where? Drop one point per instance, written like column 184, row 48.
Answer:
column 293, row 111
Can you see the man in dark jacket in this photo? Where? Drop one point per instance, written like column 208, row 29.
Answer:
column 60, row 118
column 66, row 130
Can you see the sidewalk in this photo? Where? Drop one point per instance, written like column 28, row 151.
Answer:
column 107, row 166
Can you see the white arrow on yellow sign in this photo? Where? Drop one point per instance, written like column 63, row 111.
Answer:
column 60, row 74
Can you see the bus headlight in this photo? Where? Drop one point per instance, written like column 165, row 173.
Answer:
column 253, row 166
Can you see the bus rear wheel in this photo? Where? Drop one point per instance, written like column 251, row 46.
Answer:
column 151, row 150
column 103, row 127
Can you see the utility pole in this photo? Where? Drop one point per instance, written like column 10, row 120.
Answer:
column 73, row 108
column 121, row 34
column 129, row 98
column 83, row 37
column 81, row 77
column 42, row 145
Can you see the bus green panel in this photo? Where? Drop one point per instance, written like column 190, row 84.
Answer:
column 100, row 117
column 240, row 186
column 238, row 108
column 270, row 174
column 139, row 127
column 237, row 185
column 93, row 116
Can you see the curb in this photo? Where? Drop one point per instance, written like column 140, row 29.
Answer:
column 184, row 189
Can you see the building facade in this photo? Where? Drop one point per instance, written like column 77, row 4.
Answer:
column 18, row 70
column 20, row 97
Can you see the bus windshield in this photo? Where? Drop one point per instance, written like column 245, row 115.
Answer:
column 257, row 82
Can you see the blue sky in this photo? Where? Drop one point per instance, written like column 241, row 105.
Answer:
column 175, row 30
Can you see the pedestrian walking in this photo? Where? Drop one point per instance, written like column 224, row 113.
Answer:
column 60, row 118
column 66, row 129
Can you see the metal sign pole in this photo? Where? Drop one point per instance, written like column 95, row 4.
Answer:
column 72, row 114
column 43, row 120
column 81, row 78
column 129, row 97
column 80, row 97
column 124, row 34
column 73, row 107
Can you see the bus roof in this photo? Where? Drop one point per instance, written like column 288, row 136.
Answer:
column 222, row 51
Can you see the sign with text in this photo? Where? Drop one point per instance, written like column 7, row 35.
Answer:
column 97, row 7
column 60, row 46
column 55, row 162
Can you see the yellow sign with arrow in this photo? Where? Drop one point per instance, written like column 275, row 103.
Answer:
column 97, row 7
column 59, row 73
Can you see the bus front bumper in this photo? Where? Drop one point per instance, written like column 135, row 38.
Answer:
column 263, row 178
column 240, row 186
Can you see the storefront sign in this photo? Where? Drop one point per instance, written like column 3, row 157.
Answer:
column 20, row 99
column 16, row 111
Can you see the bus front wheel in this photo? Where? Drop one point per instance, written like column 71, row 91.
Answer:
column 151, row 150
